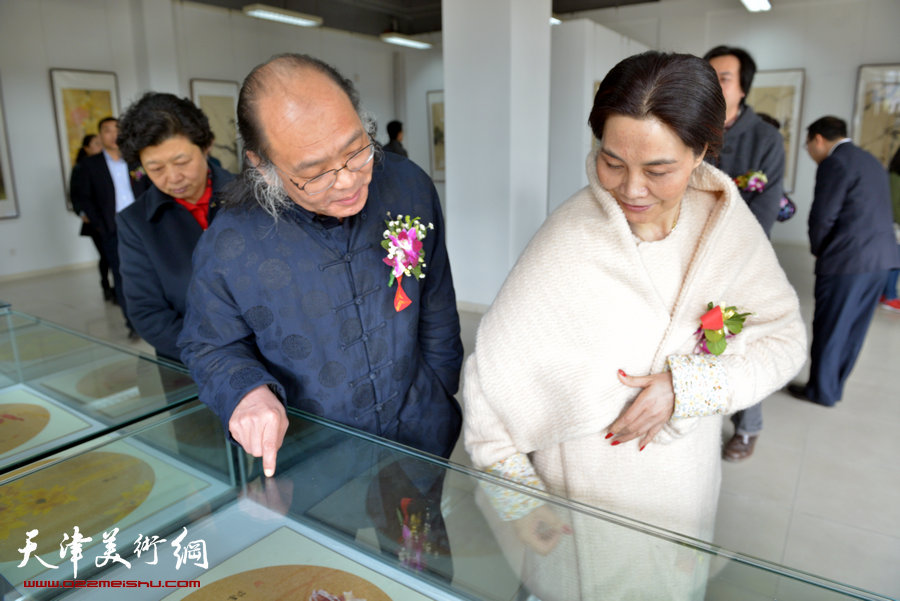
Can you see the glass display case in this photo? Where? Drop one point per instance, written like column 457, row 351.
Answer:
column 58, row 388
column 346, row 516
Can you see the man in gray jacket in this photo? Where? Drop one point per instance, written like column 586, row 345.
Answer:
column 750, row 145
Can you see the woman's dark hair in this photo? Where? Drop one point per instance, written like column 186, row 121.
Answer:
column 156, row 117
column 680, row 90
column 85, row 142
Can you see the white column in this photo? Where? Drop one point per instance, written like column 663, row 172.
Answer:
column 497, row 111
column 155, row 45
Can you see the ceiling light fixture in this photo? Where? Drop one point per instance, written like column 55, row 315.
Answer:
column 555, row 21
column 281, row 15
column 756, row 6
column 392, row 37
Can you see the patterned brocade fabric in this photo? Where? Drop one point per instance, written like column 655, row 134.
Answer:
column 510, row 504
column 701, row 385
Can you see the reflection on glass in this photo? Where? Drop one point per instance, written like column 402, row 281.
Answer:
column 58, row 388
column 344, row 514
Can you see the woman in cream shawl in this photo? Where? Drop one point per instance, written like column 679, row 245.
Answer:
column 586, row 380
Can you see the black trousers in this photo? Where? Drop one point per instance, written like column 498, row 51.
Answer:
column 103, row 265
column 110, row 244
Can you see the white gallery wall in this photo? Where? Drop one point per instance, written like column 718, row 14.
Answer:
column 829, row 39
column 36, row 35
column 157, row 45
column 163, row 44
column 497, row 99
column 417, row 73
column 582, row 53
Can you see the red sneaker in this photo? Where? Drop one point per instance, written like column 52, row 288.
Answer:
column 890, row 305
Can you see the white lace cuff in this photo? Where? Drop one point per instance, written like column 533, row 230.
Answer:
column 701, row 385
column 508, row 503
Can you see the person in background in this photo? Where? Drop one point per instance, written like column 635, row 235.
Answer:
column 101, row 187
column 787, row 206
column 170, row 138
column 596, row 386
column 395, row 141
column 753, row 154
column 851, row 235
column 90, row 145
column 889, row 299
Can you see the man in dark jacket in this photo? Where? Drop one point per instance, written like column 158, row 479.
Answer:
column 395, row 139
column 851, row 234
column 101, row 187
column 750, row 145
column 293, row 300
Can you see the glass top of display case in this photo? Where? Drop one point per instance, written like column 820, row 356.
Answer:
column 169, row 510
column 58, row 388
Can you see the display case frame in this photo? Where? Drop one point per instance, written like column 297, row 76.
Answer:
column 327, row 491
column 59, row 388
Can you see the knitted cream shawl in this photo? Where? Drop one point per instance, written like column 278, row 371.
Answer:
column 580, row 304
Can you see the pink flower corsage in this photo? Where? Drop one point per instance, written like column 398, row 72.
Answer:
column 716, row 326
column 406, row 255
column 754, row 181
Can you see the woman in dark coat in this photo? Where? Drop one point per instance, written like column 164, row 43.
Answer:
column 90, row 145
column 170, row 137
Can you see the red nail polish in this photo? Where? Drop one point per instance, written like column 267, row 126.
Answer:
column 615, row 442
column 622, row 373
column 642, row 448
column 608, row 436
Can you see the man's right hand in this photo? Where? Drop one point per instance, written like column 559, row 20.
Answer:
column 258, row 424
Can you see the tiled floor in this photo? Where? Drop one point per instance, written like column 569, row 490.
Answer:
column 821, row 493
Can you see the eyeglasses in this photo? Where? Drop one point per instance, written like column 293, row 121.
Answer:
column 324, row 181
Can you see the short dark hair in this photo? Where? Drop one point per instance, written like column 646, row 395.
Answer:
column 393, row 129
column 680, row 90
column 106, row 120
column 748, row 65
column 830, row 127
column 255, row 84
column 154, row 118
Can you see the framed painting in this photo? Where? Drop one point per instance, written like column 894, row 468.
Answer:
column 80, row 100
column 435, row 100
column 779, row 94
column 9, row 206
column 876, row 112
column 218, row 100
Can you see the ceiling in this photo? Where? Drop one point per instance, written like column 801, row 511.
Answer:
column 373, row 17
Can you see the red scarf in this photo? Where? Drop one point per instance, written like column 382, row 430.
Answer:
column 200, row 209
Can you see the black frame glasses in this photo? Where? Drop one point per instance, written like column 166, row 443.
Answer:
column 330, row 176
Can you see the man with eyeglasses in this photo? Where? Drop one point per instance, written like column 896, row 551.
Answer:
column 292, row 302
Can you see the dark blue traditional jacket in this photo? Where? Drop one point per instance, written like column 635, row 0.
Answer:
column 303, row 305
column 157, row 237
